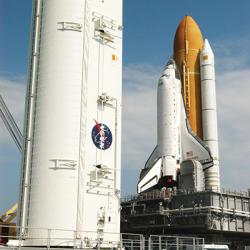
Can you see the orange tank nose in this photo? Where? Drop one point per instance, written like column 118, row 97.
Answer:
column 188, row 42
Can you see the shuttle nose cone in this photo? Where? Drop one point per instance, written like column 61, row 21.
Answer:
column 207, row 47
column 188, row 36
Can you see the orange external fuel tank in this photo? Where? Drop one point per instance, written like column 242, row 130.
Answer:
column 188, row 42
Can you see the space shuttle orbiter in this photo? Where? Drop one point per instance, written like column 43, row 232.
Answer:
column 175, row 140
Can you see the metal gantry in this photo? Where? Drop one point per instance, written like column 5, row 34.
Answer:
column 10, row 124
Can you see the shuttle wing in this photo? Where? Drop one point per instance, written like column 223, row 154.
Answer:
column 192, row 147
column 155, row 155
column 151, row 172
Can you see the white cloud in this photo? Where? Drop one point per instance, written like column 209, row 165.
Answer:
column 233, row 92
column 139, row 113
column 232, row 54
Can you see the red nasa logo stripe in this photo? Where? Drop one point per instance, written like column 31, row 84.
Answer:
column 101, row 136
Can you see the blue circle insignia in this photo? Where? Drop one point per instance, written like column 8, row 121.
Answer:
column 101, row 136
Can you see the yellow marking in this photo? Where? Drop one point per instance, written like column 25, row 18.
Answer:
column 193, row 73
column 186, row 46
column 205, row 57
column 184, row 81
column 186, row 89
column 188, row 92
column 114, row 57
column 189, row 49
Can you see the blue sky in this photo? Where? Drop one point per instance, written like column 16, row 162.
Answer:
column 149, row 28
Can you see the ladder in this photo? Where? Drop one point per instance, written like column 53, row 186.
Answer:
column 186, row 89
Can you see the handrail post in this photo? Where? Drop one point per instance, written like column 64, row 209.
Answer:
column 142, row 241
column 121, row 242
column 20, row 237
column 48, row 239
column 74, row 240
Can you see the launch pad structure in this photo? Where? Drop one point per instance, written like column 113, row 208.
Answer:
column 221, row 217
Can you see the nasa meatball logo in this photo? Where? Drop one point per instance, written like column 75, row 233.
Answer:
column 101, row 136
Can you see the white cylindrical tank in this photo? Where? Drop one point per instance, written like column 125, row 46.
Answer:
column 168, row 103
column 209, row 114
column 54, row 156
column 73, row 106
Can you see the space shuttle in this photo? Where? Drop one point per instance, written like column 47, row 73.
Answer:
column 186, row 114
column 175, row 140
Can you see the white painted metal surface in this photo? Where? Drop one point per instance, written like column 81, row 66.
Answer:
column 151, row 178
column 192, row 176
column 215, row 247
column 71, row 163
column 165, row 159
column 168, row 121
column 192, row 147
column 209, row 114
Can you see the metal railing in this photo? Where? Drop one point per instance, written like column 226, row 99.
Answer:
column 12, row 237
column 162, row 242
column 156, row 194
column 132, row 241
column 167, row 194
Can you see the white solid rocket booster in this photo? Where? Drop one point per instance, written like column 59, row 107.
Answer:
column 168, row 120
column 209, row 114
column 71, row 161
